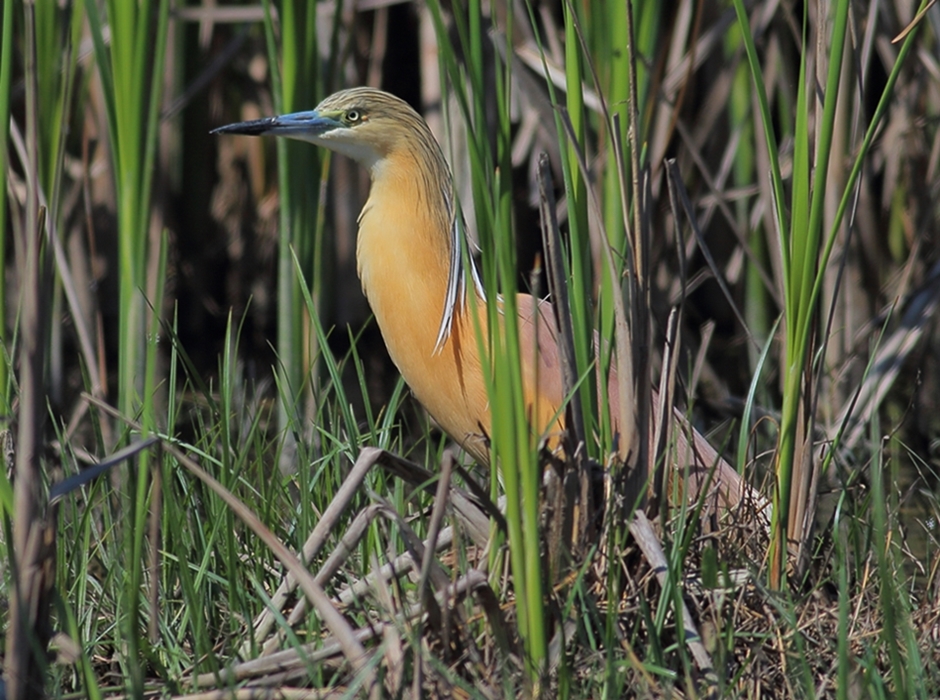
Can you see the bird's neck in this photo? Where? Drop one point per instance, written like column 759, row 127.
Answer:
column 410, row 278
column 404, row 250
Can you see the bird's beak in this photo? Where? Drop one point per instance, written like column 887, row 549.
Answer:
column 299, row 125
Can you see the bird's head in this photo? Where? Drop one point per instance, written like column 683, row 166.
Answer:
column 363, row 123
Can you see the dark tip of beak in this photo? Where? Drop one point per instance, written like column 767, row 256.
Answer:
column 252, row 128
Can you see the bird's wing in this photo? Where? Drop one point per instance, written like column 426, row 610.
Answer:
column 693, row 457
column 538, row 338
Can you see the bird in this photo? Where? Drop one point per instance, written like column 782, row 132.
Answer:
column 422, row 289
column 425, row 293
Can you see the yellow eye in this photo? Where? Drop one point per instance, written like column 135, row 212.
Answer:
column 353, row 116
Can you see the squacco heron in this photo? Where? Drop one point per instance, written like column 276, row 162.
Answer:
column 421, row 288
column 424, row 292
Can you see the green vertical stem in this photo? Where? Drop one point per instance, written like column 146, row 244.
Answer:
column 640, row 287
column 131, row 71
column 526, row 441
column 582, row 268
column 295, row 86
column 615, row 219
column 474, row 38
column 287, row 349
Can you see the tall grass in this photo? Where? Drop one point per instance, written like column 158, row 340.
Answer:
column 158, row 580
column 800, row 246
column 130, row 69
column 513, row 445
column 296, row 80
column 805, row 241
